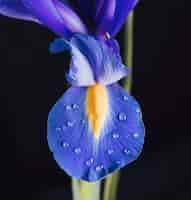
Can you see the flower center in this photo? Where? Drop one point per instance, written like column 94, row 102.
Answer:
column 96, row 107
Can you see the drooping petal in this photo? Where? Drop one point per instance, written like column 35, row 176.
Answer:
column 72, row 139
column 16, row 9
column 56, row 15
column 110, row 15
column 68, row 135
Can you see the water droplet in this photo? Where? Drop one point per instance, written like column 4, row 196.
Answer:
column 125, row 98
column 89, row 162
column 77, row 150
column 135, row 135
column 75, row 106
column 70, row 123
column 115, row 135
column 110, row 151
column 64, row 144
column 68, row 107
column 126, row 151
column 99, row 168
column 122, row 116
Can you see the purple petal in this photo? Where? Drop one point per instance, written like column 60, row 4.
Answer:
column 71, row 19
column 105, row 15
column 56, row 16
column 110, row 15
column 16, row 9
column 123, row 8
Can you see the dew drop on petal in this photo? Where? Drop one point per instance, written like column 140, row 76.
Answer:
column 77, row 150
column 126, row 151
column 99, row 168
column 125, row 98
column 110, row 151
column 64, row 144
column 122, row 116
column 135, row 135
column 75, row 106
column 70, row 123
column 89, row 162
column 115, row 135
column 68, row 107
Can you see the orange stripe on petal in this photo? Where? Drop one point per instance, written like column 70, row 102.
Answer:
column 96, row 107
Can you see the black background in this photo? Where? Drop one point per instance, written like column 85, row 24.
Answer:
column 32, row 80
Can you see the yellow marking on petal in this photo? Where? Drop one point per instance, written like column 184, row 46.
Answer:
column 96, row 107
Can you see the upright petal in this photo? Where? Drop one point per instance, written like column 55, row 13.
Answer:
column 56, row 15
column 123, row 8
column 80, row 72
column 72, row 139
column 105, row 15
column 16, row 9
column 104, row 58
column 93, row 60
column 112, row 68
column 110, row 15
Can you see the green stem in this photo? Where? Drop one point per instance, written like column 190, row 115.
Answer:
column 75, row 189
column 90, row 191
column 111, row 183
column 128, row 53
column 110, row 190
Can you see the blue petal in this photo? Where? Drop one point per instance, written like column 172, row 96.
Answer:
column 72, row 141
column 68, row 135
column 57, row 16
column 112, row 69
column 16, row 9
column 59, row 45
column 95, row 60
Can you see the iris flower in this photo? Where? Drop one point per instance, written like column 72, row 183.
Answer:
column 96, row 127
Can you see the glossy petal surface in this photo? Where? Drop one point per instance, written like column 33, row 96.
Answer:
column 75, row 147
column 16, row 9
